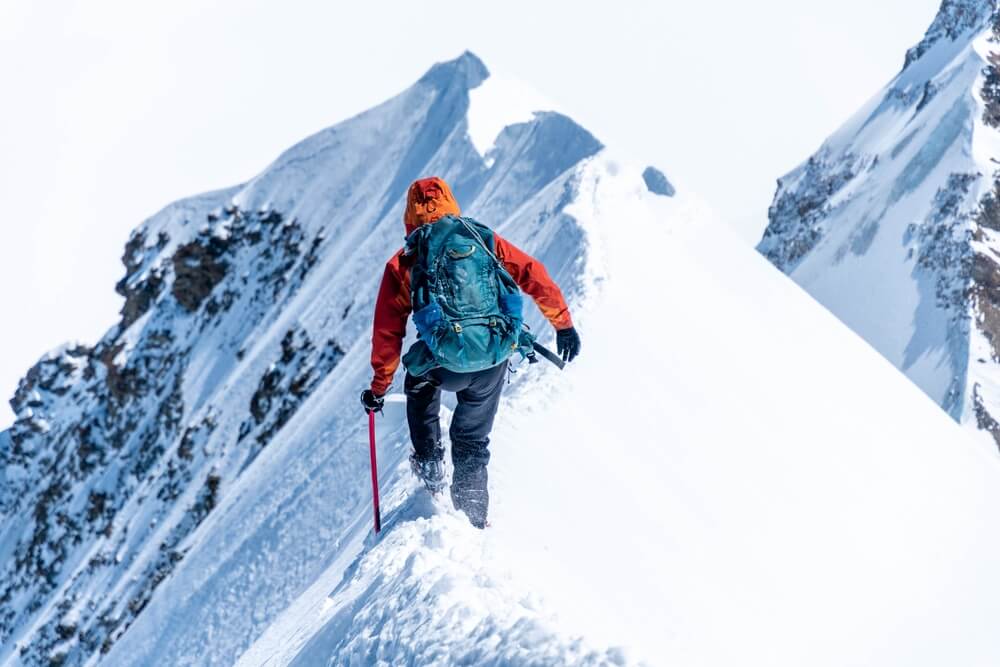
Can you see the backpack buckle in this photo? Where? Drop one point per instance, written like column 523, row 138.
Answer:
column 457, row 327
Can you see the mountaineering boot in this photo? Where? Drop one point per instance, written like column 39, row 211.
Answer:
column 430, row 471
column 474, row 501
column 469, row 488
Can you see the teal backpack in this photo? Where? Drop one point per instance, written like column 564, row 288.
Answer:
column 466, row 307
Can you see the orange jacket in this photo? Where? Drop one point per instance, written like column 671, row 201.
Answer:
column 427, row 200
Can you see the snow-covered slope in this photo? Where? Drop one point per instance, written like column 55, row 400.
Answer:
column 893, row 223
column 241, row 306
column 701, row 487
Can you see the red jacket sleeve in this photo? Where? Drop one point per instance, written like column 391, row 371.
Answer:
column 532, row 277
column 392, row 309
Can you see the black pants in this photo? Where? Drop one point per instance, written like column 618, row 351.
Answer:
column 478, row 397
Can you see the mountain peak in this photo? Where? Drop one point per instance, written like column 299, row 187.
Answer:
column 954, row 18
column 892, row 225
column 261, row 292
column 467, row 69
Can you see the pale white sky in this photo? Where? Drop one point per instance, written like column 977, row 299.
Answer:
column 113, row 108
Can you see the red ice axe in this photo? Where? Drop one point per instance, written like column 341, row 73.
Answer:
column 371, row 440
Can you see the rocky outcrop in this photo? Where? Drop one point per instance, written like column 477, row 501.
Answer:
column 287, row 383
column 198, row 268
column 132, row 442
column 894, row 224
column 803, row 202
column 140, row 291
column 940, row 244
column 240, row 305
column 990, row 91
column 657, row 183
column 954, row 19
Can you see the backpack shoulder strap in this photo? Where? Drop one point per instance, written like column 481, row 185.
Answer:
column 414, row 240
column 478, row 237
column 505, row 278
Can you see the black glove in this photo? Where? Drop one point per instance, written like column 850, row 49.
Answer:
column 372, row 402
column 568, row 343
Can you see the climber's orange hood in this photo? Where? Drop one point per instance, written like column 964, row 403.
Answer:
column 427, row 200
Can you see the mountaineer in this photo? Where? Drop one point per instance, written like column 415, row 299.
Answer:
column 462, row 282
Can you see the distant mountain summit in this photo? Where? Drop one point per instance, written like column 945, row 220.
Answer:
column 894, row 223
column 724, row 460
column 239, row 304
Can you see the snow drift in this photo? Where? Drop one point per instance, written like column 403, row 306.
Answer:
column 727, row 474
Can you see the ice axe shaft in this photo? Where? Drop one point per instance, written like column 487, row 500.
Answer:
column 371, row 440
column 548, row 354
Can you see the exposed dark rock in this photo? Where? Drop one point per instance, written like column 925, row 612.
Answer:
column 943, row 242
column 984, row 420
column 91, row 451
column 311, row 256
column 140, row 290
column 96, row 505
column 287, row 383
column 139, row 297
column 802, row 204
column 985, row 292
column 194, row 436
column 954, row 18
column 989, row 210
column 118, row 380
column 657, row 183
column 268, row 390
column 131, row 442
column 66, row 630
column 991, row 91
column 198, row 268
column 52, row 375
column 929, row 91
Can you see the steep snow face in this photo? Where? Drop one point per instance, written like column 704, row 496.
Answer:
column 672, row 498
column 241, row 307
column 891, row 224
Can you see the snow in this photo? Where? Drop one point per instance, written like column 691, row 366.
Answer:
column 727, row 475
column 674, row 506
column 430, row 592
column 901, row 149
column 499, row 101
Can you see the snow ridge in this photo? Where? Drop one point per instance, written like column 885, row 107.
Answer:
column 707, row 515
column 241, row 306
column 428, row 592
column 194, row 488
